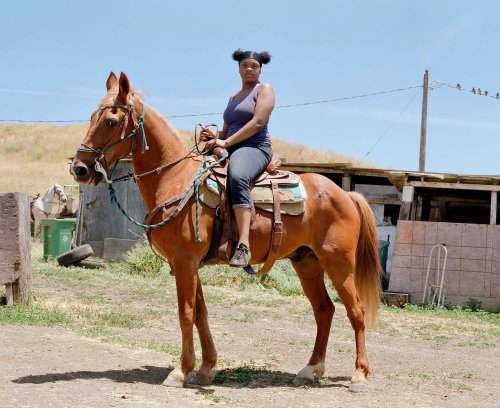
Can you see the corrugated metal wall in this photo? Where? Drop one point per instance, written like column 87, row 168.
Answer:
column 99, row 219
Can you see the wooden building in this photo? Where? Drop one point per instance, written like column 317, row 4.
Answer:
column 460, row 212
column 98, row 219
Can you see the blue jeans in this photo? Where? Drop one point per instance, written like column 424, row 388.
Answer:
column 245, row 164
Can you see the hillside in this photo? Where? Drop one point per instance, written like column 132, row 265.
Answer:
column 33, row 157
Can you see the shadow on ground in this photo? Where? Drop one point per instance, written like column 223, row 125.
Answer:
column 145, row 374
column 231, row 377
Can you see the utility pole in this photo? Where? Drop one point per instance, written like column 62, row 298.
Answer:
column 423, row 126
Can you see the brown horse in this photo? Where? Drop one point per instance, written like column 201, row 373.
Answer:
column 336, row 234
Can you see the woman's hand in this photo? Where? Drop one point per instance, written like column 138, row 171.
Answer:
column 213, row 143
column 206, row 134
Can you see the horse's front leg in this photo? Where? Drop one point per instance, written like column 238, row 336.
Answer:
column 192, row 309
column 206, row 374
column 186, row 280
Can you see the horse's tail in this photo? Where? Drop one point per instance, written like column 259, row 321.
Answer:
column 368, row 269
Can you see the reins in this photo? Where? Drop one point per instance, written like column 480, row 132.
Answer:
column 192, row 187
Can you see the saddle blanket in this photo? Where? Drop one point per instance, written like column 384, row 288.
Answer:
column 292, row 197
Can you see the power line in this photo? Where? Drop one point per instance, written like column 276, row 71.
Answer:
column 390, row 125
column 44, row 121
column 22, row 91
column 473, row 90
column 344, row 98
column 348, row 97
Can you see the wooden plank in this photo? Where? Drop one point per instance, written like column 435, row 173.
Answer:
column 100, row 219
column 346, row 183
column 455, row 186
column 384, row 201
column 15, row 246
column 321, row 165
column 406, row 204
column 309, row 169
column 9, row 294
column 116, row 249
column 21, row 287
column 493, row 209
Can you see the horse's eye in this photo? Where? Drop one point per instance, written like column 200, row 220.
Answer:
column 110, row 123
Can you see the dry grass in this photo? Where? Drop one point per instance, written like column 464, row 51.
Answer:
column 37, row 155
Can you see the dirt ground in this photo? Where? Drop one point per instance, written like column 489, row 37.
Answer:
column 263, row 340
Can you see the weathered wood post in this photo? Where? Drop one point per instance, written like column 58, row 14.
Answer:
column 406, row 202
column 15, row 247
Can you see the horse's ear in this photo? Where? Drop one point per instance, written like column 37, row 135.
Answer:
column 112, row 82
column 124, row 91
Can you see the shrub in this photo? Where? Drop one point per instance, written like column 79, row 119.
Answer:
column 141, row 261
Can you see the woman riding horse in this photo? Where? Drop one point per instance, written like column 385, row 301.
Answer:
column 336, row 234
column 247, row 139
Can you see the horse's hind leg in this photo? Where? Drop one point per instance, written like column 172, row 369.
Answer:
column 340, row 269
column 311, row 277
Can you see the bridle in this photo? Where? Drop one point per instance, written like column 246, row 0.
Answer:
column 99, row 152
column 102, row 168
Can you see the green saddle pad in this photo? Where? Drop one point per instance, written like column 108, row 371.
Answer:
column 263, row 194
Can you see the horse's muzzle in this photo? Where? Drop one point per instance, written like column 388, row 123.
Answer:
column 80, row 171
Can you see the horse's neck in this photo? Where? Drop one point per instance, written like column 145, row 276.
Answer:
column 164, row 147
column 44, row 202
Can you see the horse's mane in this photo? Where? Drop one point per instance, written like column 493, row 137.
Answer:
column 136, row 95
column 111, row 98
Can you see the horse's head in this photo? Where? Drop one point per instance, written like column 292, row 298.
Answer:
column 111, row 134
column 58, row 190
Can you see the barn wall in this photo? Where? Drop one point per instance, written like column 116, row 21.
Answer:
column 472, row 268
column 101, row 219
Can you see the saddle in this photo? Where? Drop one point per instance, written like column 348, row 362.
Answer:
column 276, row 191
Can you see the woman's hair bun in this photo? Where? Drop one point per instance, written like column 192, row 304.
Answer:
column 265, row 56
column 237, row 54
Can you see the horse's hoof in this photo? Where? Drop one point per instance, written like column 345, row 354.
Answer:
column 302, row 381
column 175, row 379
column 361, row 386
column 201, row 378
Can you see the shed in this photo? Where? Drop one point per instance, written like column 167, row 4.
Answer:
column 99, row 219
column 459, row 211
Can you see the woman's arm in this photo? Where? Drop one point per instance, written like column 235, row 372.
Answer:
column 223, row 133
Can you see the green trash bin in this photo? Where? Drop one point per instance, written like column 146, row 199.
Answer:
column 57, row 236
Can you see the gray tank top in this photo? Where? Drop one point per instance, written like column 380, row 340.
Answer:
column 239, row 112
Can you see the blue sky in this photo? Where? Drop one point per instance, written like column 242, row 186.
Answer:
column 56, row 56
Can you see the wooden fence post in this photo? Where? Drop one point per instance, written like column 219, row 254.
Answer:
column 15, row 247
column 406, row 203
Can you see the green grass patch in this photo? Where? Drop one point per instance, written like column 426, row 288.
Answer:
column 242, row 375
column 457, row 313
column 249, row 372
column 211, row 396
column 33, row 316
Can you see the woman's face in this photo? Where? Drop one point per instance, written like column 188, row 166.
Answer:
column 249, row 70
